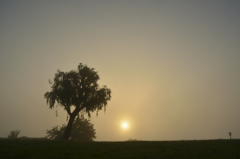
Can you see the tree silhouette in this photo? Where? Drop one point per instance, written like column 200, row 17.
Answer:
column 82, row 130
column 14, row 134
column 79, row 90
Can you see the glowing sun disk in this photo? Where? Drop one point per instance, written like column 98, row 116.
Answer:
column 124, row 125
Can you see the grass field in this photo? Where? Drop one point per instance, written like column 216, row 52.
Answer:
column 36, row 148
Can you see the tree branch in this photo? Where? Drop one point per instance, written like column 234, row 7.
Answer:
column 68, row 109
column 77, row 110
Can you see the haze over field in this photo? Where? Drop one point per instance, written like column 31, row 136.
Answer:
column 173, row 65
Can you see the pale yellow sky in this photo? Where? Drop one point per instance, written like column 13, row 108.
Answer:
column 173, row 66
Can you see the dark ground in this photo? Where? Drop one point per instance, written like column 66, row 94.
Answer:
column 40, row 148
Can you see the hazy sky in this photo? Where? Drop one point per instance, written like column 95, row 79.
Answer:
column 173, row 65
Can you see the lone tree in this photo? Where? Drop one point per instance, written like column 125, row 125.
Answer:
column 82, row 130
column 77, row 91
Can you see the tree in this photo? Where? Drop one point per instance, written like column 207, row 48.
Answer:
column 77, row 91
column 14, row 134
column 82, row 130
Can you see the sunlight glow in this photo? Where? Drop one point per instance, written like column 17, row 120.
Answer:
column 125, row 125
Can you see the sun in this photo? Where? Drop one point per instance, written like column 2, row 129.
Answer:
column 124, row 125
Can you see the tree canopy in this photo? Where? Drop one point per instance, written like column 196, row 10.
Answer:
column 77, row 91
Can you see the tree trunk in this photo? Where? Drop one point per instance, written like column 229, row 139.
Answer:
column 68, row 130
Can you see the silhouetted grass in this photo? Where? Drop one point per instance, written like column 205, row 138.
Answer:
column 33, row 148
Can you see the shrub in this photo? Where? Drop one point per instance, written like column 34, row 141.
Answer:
column 14, row 134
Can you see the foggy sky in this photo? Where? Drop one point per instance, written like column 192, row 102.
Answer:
column 173, row 65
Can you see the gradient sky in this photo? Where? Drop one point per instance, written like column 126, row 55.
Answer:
column 173, row 65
